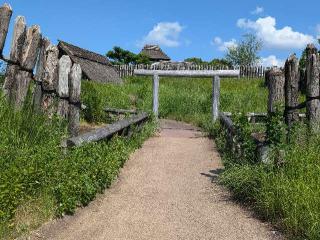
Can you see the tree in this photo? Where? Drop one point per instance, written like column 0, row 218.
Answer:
column 142, row 58
column 246, row 52
column 195, row 60
column 220, row 62
column 121, row 56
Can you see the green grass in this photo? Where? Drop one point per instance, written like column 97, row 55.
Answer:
column 38, row 181
column 286, row 194
column 181, row 99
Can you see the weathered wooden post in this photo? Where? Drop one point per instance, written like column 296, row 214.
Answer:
column 276, row 88
column 215, row 97
column 65, row 65
column 74, row 100
column 312, row 90
column 29, row 55
column 291, row 90
column 19, row 36
column 5, row 16
column 49, row 79
column 45, row 43
column 37, row 95
column 156, row 95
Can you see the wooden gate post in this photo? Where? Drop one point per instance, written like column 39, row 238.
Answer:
column 313, row 103
column 275, row 80
column 215, row 97
column 156, row 95
column 291, row 90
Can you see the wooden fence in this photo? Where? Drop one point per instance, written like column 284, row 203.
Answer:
column 57, row 82
column 245, row 71
column 283, row 86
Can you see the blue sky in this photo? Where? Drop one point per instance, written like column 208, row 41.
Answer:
column 183, row 29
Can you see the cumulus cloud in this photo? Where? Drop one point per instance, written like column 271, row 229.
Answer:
column 271, row 61
column 257, row 11
column 165, row 34
column 284, row 38
column 223, row 46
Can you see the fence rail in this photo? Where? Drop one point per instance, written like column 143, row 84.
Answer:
column 245, row 71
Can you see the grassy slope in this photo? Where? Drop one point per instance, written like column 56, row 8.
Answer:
column 288, row 194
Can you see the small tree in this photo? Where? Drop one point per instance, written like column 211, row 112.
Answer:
column 121, row 56
column 220, row 63
column 246, row 53
column 142, row 58
column 195, row 60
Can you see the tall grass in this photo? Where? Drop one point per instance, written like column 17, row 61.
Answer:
column 39, row 181
column 181, row 99
column 287, row 194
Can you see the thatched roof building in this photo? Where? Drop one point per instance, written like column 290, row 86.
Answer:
column 94, row 66
column 155, row 53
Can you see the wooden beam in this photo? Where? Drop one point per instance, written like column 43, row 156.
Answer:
column 188, row 73
column 119, row 111
column 107, row 131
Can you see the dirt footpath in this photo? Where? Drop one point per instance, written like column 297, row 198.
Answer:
column 167, row 190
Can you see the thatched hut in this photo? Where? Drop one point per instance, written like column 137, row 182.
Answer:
column 154, row 53
column 94, row 66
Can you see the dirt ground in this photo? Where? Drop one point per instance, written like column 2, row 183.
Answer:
column 167, row 190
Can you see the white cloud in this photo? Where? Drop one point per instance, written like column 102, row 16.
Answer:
column 217, row 41
column 257, row 11
column 284, row 38
column 271, row 61
column 223, row 46
column 165, row 34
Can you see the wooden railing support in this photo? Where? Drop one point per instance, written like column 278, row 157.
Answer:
column 156, row 95
column 215, row 97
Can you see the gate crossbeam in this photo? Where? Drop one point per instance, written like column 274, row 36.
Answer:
column 214, row 74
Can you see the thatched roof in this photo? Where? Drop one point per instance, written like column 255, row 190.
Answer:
column 155, row 53
column 94, row 66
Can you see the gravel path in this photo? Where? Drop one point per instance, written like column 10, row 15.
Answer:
column 167, row 190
